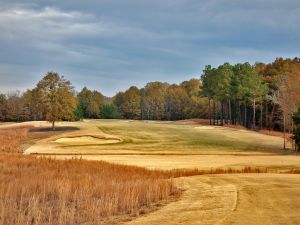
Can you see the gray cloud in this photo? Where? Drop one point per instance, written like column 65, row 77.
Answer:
column 110, row 45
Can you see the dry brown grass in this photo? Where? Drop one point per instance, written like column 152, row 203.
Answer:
column 266, row 132
column 194, row 121
column 240, row 127
column 48, row 191
column 293, row 171
column 11, row 139
column 229, row 170
column 277, row 134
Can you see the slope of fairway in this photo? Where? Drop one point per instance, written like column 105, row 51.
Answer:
column 140, row 137
column 186, row 138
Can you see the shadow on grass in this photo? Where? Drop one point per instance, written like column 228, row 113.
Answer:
column 58, row 129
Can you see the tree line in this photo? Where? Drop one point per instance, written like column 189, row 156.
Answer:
column 162, row 101
column 259, row 96
column 54, row 98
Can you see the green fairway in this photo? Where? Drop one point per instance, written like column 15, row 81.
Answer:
column 148, row 137
column 180, row 137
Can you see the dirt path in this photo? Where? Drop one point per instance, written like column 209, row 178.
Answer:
column 233, row 199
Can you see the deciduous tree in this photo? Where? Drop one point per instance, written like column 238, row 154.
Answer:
column 131, row 107
column 57, row 97
column 153, row 100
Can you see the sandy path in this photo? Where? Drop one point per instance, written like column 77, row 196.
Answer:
column 233, row 199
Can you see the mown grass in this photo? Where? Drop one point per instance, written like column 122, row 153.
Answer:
column 172, row 137
column 149, row 137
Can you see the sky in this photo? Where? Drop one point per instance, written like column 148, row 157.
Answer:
column 110, row 45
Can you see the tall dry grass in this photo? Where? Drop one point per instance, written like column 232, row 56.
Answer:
column 195, row 172
column 235, row 126
column 293, row 171
column 11, row 139
column 277, row 134
column 266, row 132
column 48, row 191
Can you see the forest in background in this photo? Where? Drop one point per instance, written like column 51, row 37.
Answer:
column 259, row 96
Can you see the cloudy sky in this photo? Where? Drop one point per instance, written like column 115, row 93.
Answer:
column 110, row 45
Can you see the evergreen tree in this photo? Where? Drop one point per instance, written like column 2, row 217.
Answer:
column 296, row 136
column 90, row 103
column 209, row 90
column 79, row 111
column 109, row 111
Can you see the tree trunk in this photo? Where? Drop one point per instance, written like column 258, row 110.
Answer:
column 245, row 119
column 261, row 115
column 222, row 113
column 239, row 114
column 266, row 122
column 217, row 114
column 209, row 112
column 271, row 124
column 214, row 112
column 293, row 141
column 226, row 111
column 53, row 125
column 254, row 119
column 229, row 111
column 284, row 142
